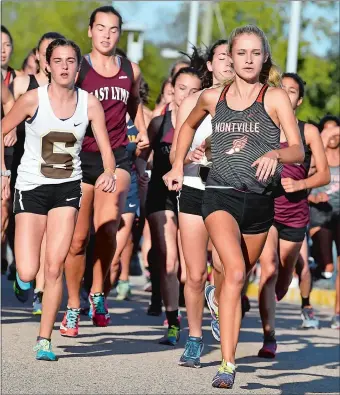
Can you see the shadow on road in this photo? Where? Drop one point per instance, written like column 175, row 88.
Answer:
column 314, row 348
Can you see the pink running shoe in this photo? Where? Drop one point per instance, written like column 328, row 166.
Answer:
column 100, row 313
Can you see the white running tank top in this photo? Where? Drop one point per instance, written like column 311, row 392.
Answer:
column 52, row 145
column 191, row 170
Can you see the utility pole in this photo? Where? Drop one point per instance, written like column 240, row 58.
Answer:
column 294, row 33
column 193, row 25
column 207, row 23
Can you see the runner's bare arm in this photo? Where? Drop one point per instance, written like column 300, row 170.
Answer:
column 294, row 153
column 23, row 108
column 97, row 118
column 204, row 106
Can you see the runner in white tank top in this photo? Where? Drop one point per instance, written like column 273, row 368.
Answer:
column 52, row 153
column 193, row 232
column 48, row 193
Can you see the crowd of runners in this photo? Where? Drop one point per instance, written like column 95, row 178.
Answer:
column 218, row 180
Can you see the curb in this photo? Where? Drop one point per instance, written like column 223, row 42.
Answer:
column 319, row 297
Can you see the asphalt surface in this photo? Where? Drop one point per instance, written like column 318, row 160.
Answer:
column 125, row 357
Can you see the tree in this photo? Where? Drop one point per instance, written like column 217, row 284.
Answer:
column 28, row 21
column 320, row 73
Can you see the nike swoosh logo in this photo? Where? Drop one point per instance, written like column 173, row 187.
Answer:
column 77, row 124
column 130, row 127
column 71, row 199
column 122, row 77
column 132, row 205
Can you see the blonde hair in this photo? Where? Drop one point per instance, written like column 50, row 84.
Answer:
column 270, row 73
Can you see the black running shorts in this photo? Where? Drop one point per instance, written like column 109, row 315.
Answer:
column 296, row 235
column 190, row 200
column 92, row 164
column 44, row 198
column 159, row 198
column 253, row 212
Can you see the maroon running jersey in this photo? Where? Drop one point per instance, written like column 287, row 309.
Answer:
column 292, row 209
column 113, row 93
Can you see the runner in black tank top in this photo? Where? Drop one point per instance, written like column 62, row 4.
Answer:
column 238, row 208
column 21, row 85
column 286, row 236
column 161, row 204
column 8, row 73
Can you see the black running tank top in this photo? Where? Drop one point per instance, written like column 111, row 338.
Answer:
column 238, row 139
column 162, row 146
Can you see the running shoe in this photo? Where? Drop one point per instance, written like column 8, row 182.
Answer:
column 245, row 304
column 100, row 314
column 191, row 356
column 37, row 303
column 215, row 324
column 123, row 290
column 154, row 310
column 69, row 326
column 268, row 349
column 11, row 272
column 44, row 351
column 179, row 317
column 21, row 289
column 84, row 302
column 225, row 376
column 308, row 318
column 171, row 337
column 336, row 322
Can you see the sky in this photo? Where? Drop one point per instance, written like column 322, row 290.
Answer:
column 147, row 13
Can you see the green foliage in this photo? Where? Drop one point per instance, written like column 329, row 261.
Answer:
column 28, row 20
column 321, row 74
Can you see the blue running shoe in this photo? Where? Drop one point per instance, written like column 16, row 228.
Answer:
column 215, row 323
column 21, row 289
column 171, row 337
column 225, row 376
column 37, row 303
column 44, row 351
column 192, row 353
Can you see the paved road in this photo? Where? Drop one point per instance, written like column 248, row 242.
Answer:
column 126, row 359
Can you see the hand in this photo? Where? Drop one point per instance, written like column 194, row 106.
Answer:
column 142, row 140
column 106, row 182
column 290, row 185
column 174, row 179
column 197, row 154
column 11, row 138
column 266, row 165
column 5, row 188
column 320, row 197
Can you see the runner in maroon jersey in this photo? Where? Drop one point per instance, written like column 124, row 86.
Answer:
column 286, row 236
column 115, row 82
